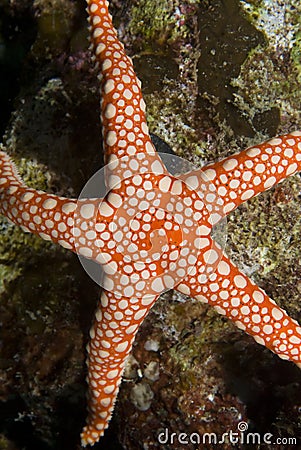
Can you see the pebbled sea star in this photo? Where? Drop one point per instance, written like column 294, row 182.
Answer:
column 151, row 232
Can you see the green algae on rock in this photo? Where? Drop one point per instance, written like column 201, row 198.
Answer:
column 154, row 22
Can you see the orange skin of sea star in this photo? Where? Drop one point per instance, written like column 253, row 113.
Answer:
column 152, row 231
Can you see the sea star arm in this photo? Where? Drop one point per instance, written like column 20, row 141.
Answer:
column 117, row 321
column 256, row 169
column 47, row 215
column 72, row 223
column 125, row 130
column 233, row 294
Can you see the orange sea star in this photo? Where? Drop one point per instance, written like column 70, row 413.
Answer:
column 151, row 232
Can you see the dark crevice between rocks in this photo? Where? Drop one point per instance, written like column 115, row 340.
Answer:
column 17, row 34
column 226, row 38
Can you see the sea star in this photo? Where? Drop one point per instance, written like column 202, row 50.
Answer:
column 151, row 232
